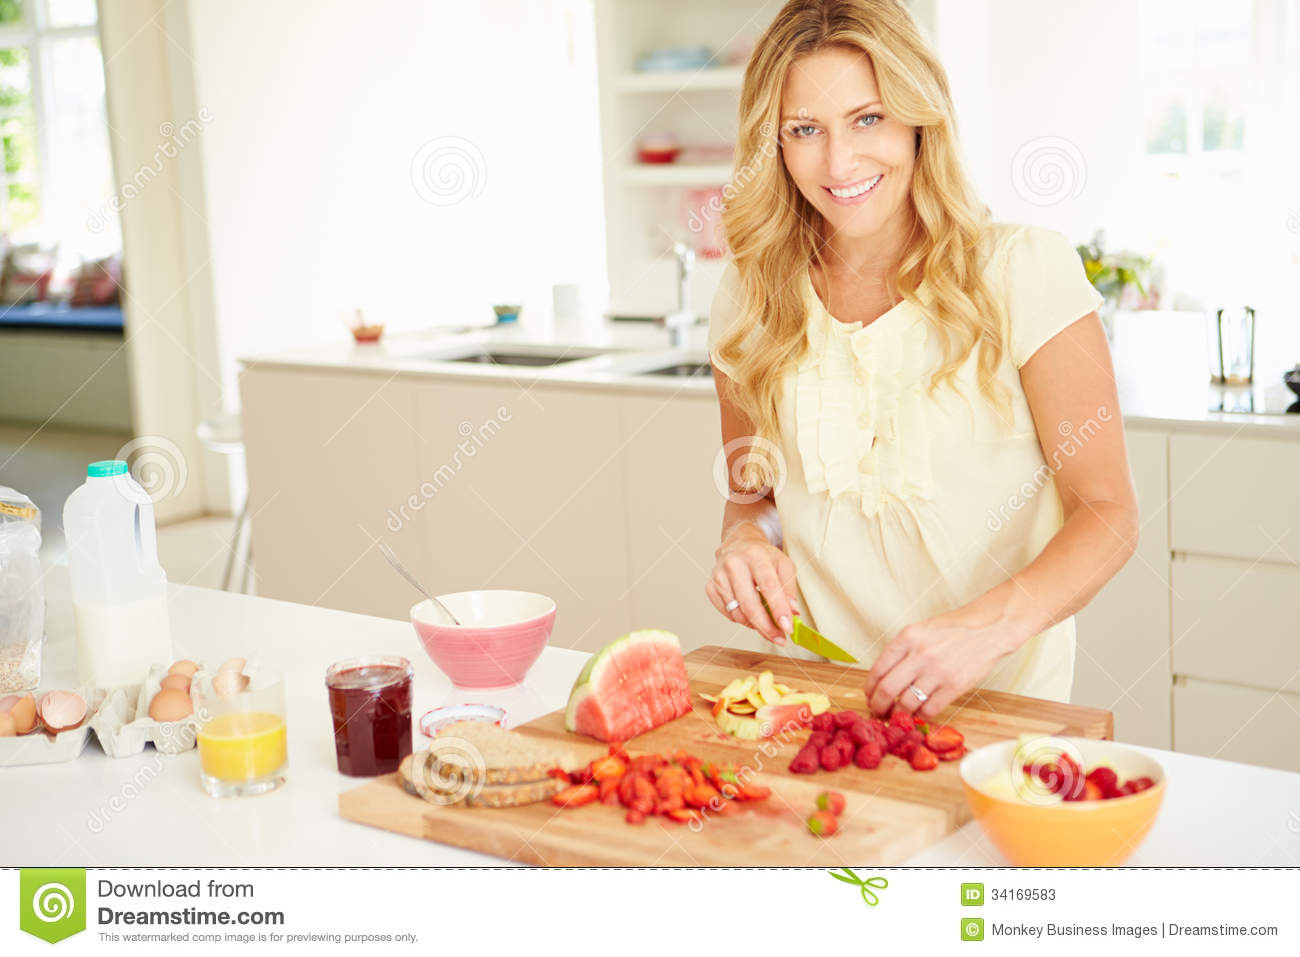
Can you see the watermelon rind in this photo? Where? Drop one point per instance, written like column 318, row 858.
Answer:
column 593, row 674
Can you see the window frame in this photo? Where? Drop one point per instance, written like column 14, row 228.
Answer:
column 33, row 33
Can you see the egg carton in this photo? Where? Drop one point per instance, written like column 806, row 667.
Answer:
column 41, row 747
column 123, row 725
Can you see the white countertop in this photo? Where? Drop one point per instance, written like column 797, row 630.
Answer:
column 1159, row 357
column 148, row 810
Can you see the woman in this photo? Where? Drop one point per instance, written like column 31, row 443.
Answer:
column 917, row 403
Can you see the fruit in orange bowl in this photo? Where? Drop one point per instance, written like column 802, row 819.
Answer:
column 1048, row 801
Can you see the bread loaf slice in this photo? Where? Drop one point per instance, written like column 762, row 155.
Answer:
column 479, row 752
column 469, row 794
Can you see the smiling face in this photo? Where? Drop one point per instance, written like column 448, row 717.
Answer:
column 848, row 158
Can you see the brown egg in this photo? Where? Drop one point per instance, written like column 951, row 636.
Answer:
column 62, row 711
column 183, row 667
column 170, row 704
column 175, row 680
column 23, row 712
column 7, row 727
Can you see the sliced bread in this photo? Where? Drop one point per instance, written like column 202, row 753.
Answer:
column 470, row 794
column 479, row 752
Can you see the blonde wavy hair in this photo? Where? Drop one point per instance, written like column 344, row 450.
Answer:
column 774, row 232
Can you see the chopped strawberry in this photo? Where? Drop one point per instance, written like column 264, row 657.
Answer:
column 952, row 755
column 1105, row 778
column 923, row 759
column 943, row 738
column 912, row 741
column 832, row 801
column 635, row 816
column 1092, row 791
column 682, row 814
column 576, row 795
column 1141, row 784
column 823, row 823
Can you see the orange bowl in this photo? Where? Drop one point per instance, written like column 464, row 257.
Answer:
column 1034, row 829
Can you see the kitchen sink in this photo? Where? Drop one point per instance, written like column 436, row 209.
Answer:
column 502, row 357
column 683, row 369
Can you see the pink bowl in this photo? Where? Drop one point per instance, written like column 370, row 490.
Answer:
column 501, row 635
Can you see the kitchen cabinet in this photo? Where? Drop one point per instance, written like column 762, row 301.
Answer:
column 522, row 488
column 328, row 453
column 1234, row 723
column 674, row 516
column 1235, row 496
column 1235, row 621
column 1122, row 658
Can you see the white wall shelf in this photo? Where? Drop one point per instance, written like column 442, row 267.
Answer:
column 677, row 174
column 682, row 81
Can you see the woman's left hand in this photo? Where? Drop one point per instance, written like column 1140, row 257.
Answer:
column 944, row 657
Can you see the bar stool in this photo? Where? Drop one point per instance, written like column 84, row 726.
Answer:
column 224, row 435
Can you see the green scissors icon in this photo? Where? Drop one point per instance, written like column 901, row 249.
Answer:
column 868, row 895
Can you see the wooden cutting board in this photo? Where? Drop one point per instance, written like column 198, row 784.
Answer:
column 892, row 811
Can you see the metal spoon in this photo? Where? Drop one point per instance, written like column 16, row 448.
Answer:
column 402, row 570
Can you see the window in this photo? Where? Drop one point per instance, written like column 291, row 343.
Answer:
column 1196, row 69
column 57, row 171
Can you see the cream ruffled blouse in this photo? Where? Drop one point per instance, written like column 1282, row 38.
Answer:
column 897, row 505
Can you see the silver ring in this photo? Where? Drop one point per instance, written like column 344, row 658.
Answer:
column 921, row 696
column 732, row 605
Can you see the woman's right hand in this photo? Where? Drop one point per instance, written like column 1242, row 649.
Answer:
column 747, row 563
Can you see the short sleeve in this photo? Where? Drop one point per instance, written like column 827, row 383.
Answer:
column 1046, row 289
column 724, row 312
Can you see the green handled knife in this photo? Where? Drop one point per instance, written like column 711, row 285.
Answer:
column 806, row 637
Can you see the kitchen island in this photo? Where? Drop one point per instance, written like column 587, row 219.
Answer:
column 598, row 484
column 148, row 810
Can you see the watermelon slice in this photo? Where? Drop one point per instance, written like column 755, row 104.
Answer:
column 633, row 684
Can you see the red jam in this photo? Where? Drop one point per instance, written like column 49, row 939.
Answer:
column 371, row 708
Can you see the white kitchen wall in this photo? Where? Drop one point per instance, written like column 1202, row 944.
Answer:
column 318, row 196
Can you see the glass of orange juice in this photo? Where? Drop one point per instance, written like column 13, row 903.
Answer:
column 243, row 747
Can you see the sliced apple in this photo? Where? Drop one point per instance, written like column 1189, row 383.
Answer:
column 738, row 688
column 816, row 702
column 767, row 688
column 741, row 707
column 740, row 726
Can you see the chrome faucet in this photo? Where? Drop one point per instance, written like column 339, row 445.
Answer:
column 682, row 319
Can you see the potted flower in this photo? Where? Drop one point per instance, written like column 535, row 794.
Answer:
column 1121, row 277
